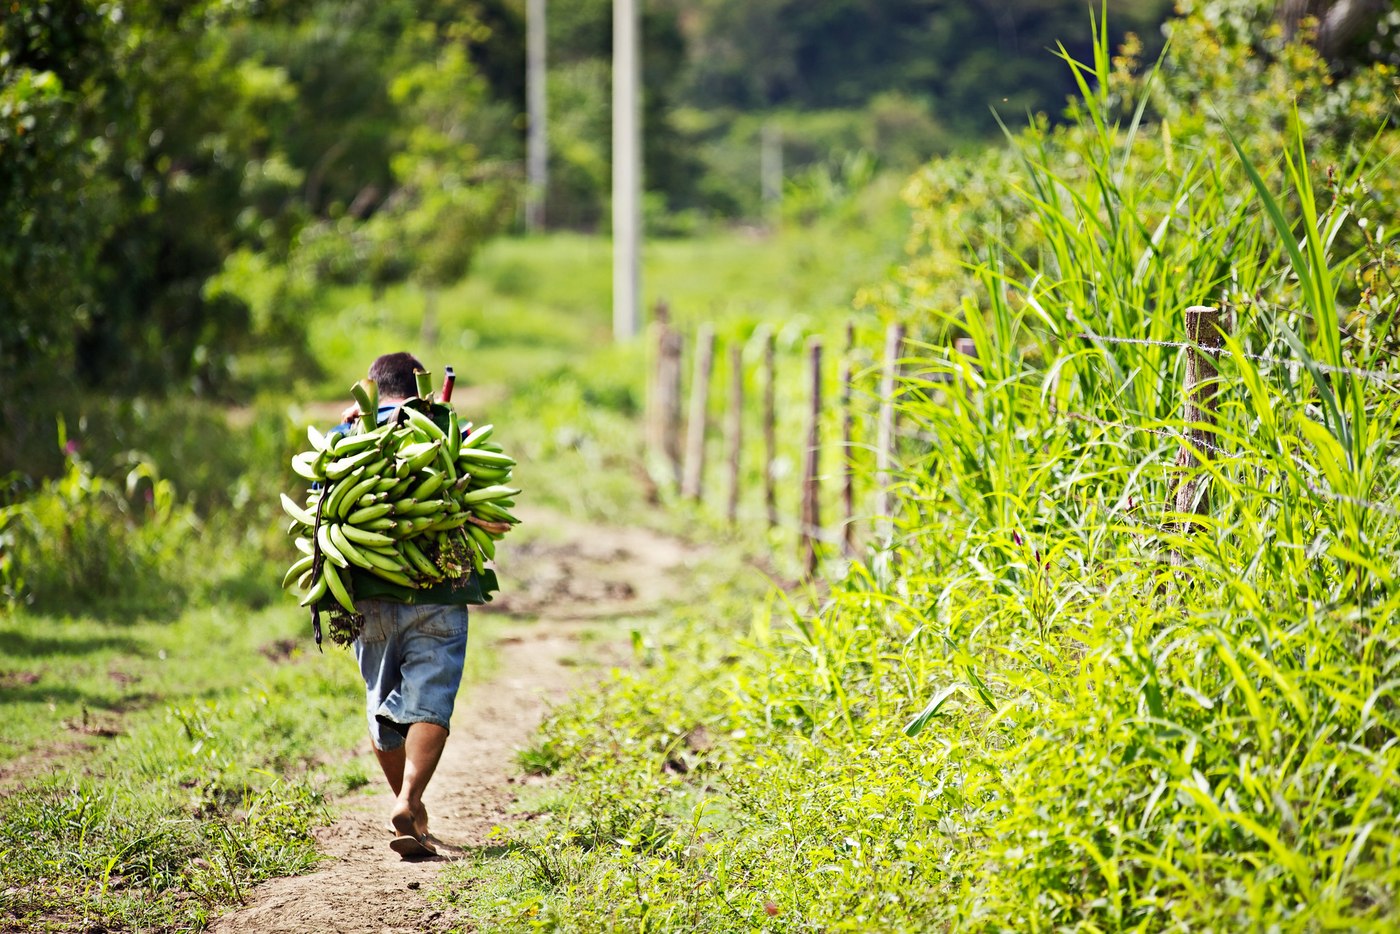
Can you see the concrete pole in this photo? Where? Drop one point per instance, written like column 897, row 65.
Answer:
column 771, row 166
column 626, row 172
column 536, row 147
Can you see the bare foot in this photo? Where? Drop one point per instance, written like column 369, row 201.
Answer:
column 407, row 822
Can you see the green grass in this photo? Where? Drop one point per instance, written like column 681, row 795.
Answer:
column 1056, row 702
column 58, row 671
column 211, row 742
column 171, row 731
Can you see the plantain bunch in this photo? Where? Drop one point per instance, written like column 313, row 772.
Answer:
column 410, row 501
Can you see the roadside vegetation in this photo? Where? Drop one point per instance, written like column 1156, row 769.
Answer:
column 1058, row 699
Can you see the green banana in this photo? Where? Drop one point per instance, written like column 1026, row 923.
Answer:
column 342, row 466
column 353, row 444
column 411, row 526
column 306, row 465
column 413, row 510
column 425, row 424
column 419, row 455
column 345, row 546
column 338, row 589
column 350, row 500
column 381, row 560
column 477, row 436
column 395, row 577
column 446, row 522
column 449, row 468
column 488, row 458
column 369, row 513
column 429, row 486
column 486, row 475
column 419, row 560
column 486, row 494
column 318, row 588
column 328, row 548
column 335, row 493
column 360, row 536
column 290, row 507
column 482, row 540
column 494, row 513
column 454, row 434
column 299, row 567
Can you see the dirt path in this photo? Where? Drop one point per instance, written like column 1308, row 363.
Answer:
column 570, row 577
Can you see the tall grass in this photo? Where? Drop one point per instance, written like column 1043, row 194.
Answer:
column 1027, row 715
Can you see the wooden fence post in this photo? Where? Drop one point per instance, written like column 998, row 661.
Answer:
column 885, row 440
column 667, row 407
column 770, row 428
column 811, row 484
column 1203, row 333
column 692, row 486
column 848, row 471
column 675, row 354
column 735, row 430
column 656, row 388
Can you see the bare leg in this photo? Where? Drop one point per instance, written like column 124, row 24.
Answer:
column 421, row 753
column 391, row 761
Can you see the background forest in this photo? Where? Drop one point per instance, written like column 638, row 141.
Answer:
column 180, row 178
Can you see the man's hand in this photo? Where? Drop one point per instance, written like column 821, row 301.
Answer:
column 351, row 413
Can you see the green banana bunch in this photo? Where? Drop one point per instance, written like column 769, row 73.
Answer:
column 407, row 501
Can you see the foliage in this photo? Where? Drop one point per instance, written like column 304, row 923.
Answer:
column 1050, row 702
column 86, row 541
column 966, row 59
column 148, row 501
column 147, row 144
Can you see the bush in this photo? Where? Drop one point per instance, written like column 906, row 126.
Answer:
column 84, row 543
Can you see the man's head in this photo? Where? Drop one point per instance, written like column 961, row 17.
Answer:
column 393, row 372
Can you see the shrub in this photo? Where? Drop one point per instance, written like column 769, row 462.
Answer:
column 85, row 543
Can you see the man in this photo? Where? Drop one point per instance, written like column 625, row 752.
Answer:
column 410, row 650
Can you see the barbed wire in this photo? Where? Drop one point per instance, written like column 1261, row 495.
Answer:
column 1228, row 455
column 1353, row 500
column 1159, row 432
column 1381, row 375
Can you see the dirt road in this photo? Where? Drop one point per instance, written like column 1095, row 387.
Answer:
column 569, row 578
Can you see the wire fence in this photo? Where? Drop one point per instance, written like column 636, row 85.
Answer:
column 1384, row 376
column 906, row 379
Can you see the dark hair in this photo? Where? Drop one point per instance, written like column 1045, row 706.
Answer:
column 393, row 372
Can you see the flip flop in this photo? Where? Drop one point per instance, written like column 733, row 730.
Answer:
column 408, row 846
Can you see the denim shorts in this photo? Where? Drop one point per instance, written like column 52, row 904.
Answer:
column 411, row 659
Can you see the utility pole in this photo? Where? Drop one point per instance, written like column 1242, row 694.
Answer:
column 626, row 172
column 536, row 147
column 771, row 166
